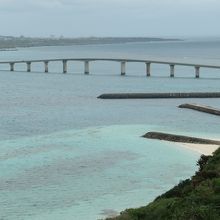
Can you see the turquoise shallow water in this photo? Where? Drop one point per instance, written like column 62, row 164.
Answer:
column 78, row 174
column 64, row 154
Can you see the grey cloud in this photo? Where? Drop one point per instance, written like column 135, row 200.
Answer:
column 109, row 17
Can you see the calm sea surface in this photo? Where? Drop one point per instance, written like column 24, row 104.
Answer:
column 64, row 154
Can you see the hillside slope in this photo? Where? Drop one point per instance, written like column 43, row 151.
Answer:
column 197, row 198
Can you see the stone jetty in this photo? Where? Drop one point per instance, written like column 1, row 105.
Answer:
column 201, row 108
column 179, row 138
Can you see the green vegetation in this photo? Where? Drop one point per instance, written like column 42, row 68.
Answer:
column 197, row 198
column 13, row 42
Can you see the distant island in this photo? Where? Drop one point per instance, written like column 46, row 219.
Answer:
column 10, row 42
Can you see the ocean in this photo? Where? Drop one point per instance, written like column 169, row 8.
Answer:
column 64, row 154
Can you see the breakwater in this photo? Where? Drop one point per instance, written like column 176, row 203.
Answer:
column 160, row 95
column 201, row 108
column 179, row 138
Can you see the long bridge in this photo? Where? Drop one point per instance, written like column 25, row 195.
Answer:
column 123, row 62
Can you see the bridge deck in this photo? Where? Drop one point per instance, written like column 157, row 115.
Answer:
column 114, row 60
column 122, row 61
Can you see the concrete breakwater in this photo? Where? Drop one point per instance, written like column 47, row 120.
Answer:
column 160, row 95
column 179, row 138
column 201, row 108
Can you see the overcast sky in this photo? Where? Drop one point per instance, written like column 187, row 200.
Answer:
column 82, row 18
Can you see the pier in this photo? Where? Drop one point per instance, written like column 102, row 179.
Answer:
column 123, row 62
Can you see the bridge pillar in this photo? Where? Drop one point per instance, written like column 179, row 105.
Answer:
column 123, row 68
column 64, row 66
column 172, row 69
column 12, row 66
column 28, row 66
column 148, row 72
column 197, row 70
column 86, row 67
column 46, row 66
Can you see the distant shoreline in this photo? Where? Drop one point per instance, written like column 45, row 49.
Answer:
column 7, row 42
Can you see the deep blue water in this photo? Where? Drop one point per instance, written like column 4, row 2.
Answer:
column 66, row 154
